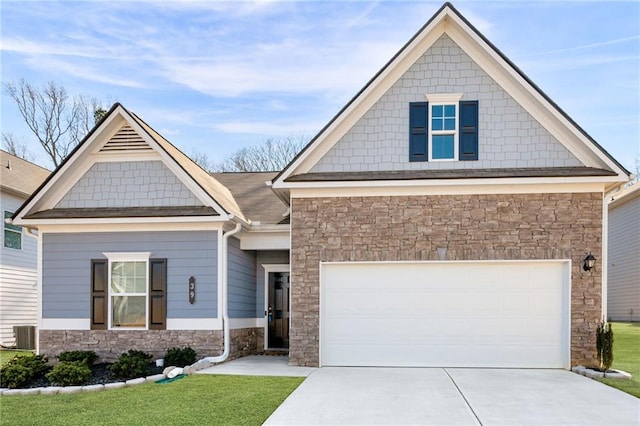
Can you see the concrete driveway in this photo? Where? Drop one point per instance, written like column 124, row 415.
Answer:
column 454, row 396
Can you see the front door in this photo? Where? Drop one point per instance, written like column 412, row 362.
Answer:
column 278, row 310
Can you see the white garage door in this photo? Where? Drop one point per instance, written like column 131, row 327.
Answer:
column 445, row 314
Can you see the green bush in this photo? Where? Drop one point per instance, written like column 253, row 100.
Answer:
column 88, row 357
column 180, row 357
column 70, row 373
column 604, row 346
column 131, row 364
column 19, row 371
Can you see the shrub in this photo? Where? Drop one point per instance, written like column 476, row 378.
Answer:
column 131, row 364
column 604, row 345
column 180, row 357
column 19, row 371
column 70, row 373
column 88, row 357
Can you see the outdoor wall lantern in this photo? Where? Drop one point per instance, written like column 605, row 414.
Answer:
column 589, row 262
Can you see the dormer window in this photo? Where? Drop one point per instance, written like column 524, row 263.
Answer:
column 443, row 129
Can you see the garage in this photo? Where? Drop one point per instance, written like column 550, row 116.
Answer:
column 511, row 314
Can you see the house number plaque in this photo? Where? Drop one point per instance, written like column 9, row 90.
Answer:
column 192, row 290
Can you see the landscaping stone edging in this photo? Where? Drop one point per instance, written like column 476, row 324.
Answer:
column 52, row 390
column 594, row 374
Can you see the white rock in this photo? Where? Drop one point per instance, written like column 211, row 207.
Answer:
column 70, row 389
column 115, row 385
column 12, row 392
column 51, row 390
column 155, row 377
column 138, row 381
column 93, row 388
column 175, row 372
column 167, row 369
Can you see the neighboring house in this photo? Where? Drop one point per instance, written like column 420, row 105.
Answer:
column 18, row 254
column 440, row 219
column 623, row 283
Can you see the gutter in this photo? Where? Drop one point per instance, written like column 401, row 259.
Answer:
column 224, row 297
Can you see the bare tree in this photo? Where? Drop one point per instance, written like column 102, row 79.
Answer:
column 15, row 147
column 203, row 160
column 58, row 121
column 272, row 155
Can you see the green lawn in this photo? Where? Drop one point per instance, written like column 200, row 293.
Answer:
column 626, row 356
column 7, row 354
column 195, row 400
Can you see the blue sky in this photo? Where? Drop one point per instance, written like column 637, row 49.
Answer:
column 216, row 76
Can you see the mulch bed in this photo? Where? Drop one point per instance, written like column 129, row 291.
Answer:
column 100, row 375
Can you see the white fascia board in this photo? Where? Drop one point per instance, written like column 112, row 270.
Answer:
column 65, row 324
column 194, row 324
column 119, row 220
column 359, row 106
column 275, row 240
column 73, row 169
column 72, row 228
column 527, row 96
column 530, row 187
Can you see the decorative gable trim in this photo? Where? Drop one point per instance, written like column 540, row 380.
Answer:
column 117, row 128
column 126, row 139
column 448, row 20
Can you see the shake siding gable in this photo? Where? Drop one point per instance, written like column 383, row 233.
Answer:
column 508, row 136
column 128, row 184
column 66, row 287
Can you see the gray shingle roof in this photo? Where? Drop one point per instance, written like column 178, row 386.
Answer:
column 20, row 176
column 113, row 212
column 257, row 201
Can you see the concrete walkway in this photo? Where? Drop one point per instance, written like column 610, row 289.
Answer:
column 259, row 365
column 435, row 396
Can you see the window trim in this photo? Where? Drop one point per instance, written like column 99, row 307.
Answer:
column 443, row 99
column 9, row 227
column 128, row 257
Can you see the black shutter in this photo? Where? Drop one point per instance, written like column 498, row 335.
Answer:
column 157, row 294
column 418, row 131
column 468, row 140
column 99, row 293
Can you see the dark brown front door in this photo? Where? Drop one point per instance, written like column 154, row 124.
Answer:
column 278, row 312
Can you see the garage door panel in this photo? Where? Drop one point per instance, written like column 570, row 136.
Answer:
column 444, row 314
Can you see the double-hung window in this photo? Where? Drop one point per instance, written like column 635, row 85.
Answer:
column 443, row 128
column 128, row 291
column 12, row 234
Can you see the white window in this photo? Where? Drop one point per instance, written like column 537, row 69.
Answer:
column 12, row 233
column 128, row 290
column 443, row 127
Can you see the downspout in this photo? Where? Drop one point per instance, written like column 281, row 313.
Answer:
column 225, row 291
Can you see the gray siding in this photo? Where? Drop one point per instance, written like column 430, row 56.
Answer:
column 272, row 257
column 67, row 263
column 242, row 281
column 18, row 279
column 623, row 284
column 128, row 184
column 508, row 135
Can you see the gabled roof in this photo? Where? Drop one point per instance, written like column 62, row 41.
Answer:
column 207, row 188
column 257, row 201
column 447, row 20
column 20, row 176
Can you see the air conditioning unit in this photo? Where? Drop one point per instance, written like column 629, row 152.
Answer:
column 25, row 336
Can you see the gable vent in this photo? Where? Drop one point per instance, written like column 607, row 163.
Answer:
column 126, row 140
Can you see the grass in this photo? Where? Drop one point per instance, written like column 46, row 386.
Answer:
column 7, row 354
column 195, row 400
column 626, row 357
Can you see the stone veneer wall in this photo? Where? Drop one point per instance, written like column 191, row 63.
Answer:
column 472, row 227
column 109, row 344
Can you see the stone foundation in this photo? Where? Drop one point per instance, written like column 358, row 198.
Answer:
column 471, row 227
column 110, row 344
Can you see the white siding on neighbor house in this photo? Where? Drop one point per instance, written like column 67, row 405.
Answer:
column 509, row 136
column 129, row 184
column 623, row 283
column 18, row 279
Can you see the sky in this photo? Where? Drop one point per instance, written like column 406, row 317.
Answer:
column 213, row 77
